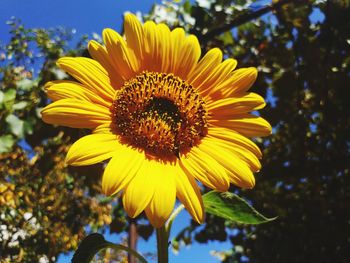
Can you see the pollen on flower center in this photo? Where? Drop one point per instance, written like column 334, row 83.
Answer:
column 160, row 113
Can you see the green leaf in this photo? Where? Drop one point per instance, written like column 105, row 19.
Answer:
column 96, row 242
column 6, row 143
column 25, row 84
column 187, row 6
column 28, row 127
column 227, row 38
column 9, row 98
column 16, row 125
column 233, row 208
column 2, row 95
column 9, row 95
column 20, row 105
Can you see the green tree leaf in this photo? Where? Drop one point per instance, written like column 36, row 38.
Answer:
column 6, row 143
column 2, row 95
column 10, row 95
column 233, row 208
column 16, row 125
column 25, row 84
column 9, row 98
column 227, row 38
column 187, row 6
column 20, row 105
column 96, row 242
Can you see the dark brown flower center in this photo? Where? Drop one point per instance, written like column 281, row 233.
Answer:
column 160, row 113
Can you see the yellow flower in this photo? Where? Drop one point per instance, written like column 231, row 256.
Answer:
column 164, row 117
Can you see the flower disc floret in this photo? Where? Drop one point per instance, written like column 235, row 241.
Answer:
column 160, row 114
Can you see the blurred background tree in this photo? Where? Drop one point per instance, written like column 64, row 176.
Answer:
column 302, row 51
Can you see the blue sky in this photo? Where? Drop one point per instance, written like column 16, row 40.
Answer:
column 87, row 17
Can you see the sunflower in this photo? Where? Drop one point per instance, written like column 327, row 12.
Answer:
column 164, row 117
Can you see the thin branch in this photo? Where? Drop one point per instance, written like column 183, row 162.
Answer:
column 246, row 17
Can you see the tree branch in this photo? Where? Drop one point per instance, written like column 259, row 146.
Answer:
column 244, row 18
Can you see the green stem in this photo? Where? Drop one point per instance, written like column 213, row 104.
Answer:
column 163, row 237
column 162, row 245
column 132, row 239
column 172, row 218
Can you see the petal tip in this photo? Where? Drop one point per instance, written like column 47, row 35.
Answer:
column 200, row 219
column 130, row 16
column 130, row 210
column 69, row 158
column 269, row 128
column 62, row 61
column 253, row 72
column 44, row 115
column 156, row 222
column 107, row 191
column 250, row 184
column 108, row 33
column 93, row 44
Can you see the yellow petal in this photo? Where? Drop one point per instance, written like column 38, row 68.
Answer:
column 152, row 58
column 189, row 194
column 240, row 152
column 99, row 53
column 205, row 67
column 240, row 81
column 163, row 201
column 92, row 149
column 229, row 107
column 247, row 125
column 134, row 35
column 177, row 40
column 57, row 90
column 205, row 169
column 90, row 73
column 220, row 74
column 164, row 46
column 188, row 57
column 105, row 128
column 121, row 169
column 121, row 57
column 139, row 192
column 75, row 114
column 235, row 138
column 238, row 171
column 150, row 31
